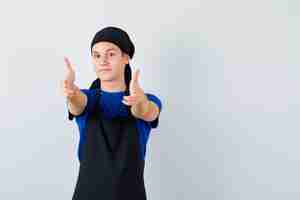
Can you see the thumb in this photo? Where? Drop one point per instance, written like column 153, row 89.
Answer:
column 71, row 73
column 135, row 75
column 68, row 64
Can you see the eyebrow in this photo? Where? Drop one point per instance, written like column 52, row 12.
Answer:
column 106, row 50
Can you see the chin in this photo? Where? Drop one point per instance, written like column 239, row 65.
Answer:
column 105, row 78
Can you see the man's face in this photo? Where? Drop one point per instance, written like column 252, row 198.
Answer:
column 109, row 61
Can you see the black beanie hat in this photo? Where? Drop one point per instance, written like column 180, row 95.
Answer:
column 116, row 36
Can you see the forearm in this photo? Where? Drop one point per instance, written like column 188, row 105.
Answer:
column 77, row 103
column 146, row 110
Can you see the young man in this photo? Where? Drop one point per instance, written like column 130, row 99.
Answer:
column 115, row 117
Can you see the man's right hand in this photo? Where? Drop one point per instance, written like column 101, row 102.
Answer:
column 69, row 88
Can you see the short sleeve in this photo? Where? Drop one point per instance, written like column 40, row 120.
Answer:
column 70, row 115
column 157, row 101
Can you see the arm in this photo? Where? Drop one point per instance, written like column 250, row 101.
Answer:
column 76, row 99
column 146, row 110
column 141, row 106
column 77, row 103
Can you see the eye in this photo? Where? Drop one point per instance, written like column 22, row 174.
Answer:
column 111, row 54
column 97, row 56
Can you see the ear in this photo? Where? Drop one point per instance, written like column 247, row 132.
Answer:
column 126, row 57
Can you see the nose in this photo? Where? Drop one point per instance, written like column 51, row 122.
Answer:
column 103, row 60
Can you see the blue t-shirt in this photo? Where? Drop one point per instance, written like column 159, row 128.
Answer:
column 111, row 106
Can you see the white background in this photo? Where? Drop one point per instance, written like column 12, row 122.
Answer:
column 227, row 73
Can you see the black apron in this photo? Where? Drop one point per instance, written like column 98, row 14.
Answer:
column 111, row 167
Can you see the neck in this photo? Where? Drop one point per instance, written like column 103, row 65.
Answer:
column 113, row 86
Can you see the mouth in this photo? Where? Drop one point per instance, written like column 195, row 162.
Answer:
column 105, row 70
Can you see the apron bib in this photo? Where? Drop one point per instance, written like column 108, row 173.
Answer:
column 110, row 167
